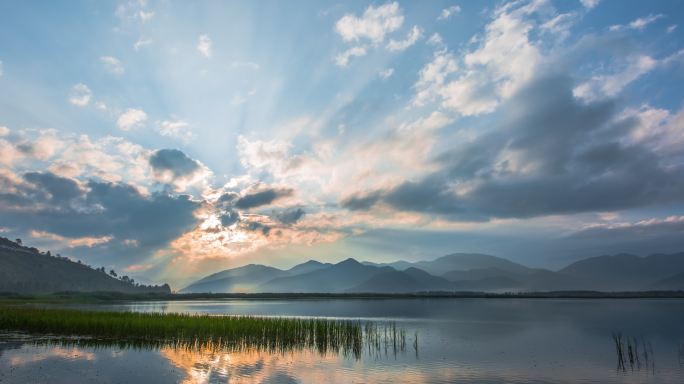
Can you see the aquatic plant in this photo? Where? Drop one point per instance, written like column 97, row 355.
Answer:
column 195, row 331
column 627, row 351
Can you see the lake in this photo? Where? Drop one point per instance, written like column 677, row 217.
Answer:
column 458, row 340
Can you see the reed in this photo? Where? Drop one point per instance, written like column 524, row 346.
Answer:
column 194, row 331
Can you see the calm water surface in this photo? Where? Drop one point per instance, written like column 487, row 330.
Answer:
column 459, row 340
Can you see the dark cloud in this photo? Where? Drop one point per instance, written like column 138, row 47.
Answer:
column 59, row 205
column 174, row 161
column 229, row 218
column 361, row 201
column 256, row 226
column 58, row 189
column 575, row 152
column 289, row 216
column 260, row 198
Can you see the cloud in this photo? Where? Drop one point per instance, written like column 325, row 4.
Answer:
column 447, row 12
column 108, row 158
column 432, row 77
column 638, row 24
column 342, row 59
column 80, row 95
column 260, row 198
column 72, row 242
column 177, row 128
column 4, row 131
column 610, row 85
column 132, row 118
column 561, row 24
column 95, row 213
column 112, row 65
column 436, row 39
column 386, row 73
column 414, row 34
column 289, row 216
column 134, row 10
column 229, row 218
column 173, row 166
column 558, row 156
column 141, row 43
column 373, row 25
column 646, row 236
column 361, row 201
column 504, row 61
column 204, row 45
column 671, row 28
column 590, row 4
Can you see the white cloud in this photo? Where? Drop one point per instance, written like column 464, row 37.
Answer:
column 4, row 131
column 658, row 128
column 374, row 24
column 601, row 86
column 145, row 16
column 141, row 43
column 504, row 60
column 447, row 12
column 204, row 45
column 80, row 95
column 436, row 39
column 112, row 65
column 177, row 128
column 414, row 34
column 342, row 59
column 432, row 77
column 589, row 4
column 134, row 10
column 132, row 118
column 560, row 24
column 642, row 22
column 638, row 24
column 671, row 28
column 386, row 73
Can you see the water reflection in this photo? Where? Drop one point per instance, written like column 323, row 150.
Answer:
column 349, row 339
column 472, row 341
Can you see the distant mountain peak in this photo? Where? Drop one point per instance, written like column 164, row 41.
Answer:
column 349, row 261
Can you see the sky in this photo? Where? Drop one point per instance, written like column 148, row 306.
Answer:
column 172, row 139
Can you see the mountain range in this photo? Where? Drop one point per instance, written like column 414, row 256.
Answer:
column 454, row 272
column 27, row 270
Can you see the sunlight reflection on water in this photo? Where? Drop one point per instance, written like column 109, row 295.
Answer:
column 483, row 341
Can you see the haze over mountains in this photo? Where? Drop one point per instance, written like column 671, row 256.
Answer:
column 455, row 272
column 27, row 270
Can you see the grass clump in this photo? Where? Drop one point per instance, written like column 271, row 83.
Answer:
column 157, row 330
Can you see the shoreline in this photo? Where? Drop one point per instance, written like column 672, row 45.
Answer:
column 118, row 296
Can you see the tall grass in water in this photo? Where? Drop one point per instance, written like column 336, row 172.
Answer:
column 157, row 330
column 630, row 352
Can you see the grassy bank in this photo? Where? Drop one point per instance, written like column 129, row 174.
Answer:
column 348, row 337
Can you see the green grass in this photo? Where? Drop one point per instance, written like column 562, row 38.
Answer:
column 176, row 330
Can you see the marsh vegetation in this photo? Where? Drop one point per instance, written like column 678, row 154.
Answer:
column 635, row 354
column 215, row 332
